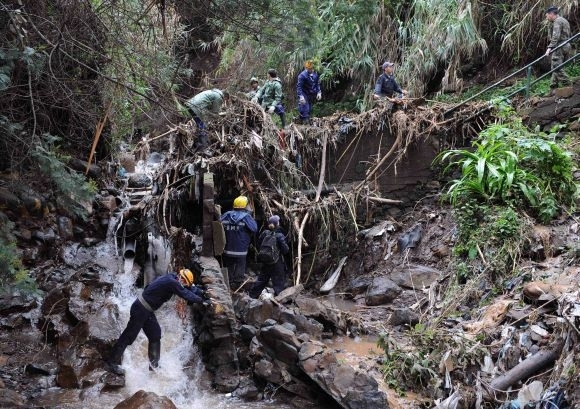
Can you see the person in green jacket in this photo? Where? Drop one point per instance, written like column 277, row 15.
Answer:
column 202, row 107
column 271, row 95
column 558, row 33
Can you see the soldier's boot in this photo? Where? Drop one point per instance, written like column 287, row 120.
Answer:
column 115, row 359
column 154, row 352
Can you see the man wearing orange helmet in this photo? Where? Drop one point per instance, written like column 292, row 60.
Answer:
column 143, row 315
column 308, row 91
column 239, row 226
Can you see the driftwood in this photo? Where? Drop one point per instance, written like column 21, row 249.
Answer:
column 331, row 282
column 525, row 369
column 383, row 200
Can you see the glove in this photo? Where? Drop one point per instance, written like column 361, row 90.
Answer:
column 302, row 100
column 271, row 109
column 207, row 303
column 319, row 96
column 255, row 100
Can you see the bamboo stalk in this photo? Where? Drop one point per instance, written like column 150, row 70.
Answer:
column 322, row 168
column 299, row 257
column 98, row 132
column 383, row 160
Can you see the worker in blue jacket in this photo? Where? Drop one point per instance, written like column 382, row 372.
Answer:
column 143, row 315
column 239, row 227
column 308, row 91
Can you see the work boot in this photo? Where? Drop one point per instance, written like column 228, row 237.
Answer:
column 154, row 352
column 115, row 359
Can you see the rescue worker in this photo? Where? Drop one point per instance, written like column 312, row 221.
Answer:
column 254, row 88
column 276, row 271
column 239, row 226
column 203, row 106
column 270, row 96
column 386, row 85
column 308, row 91
column 143, row 317
column 558, row 33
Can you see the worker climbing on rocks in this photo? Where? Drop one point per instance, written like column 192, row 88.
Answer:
column 308, row 91
column 239, row 227
column 270, row 96
column 202, row 107
column 272, row 244
column 143, row 315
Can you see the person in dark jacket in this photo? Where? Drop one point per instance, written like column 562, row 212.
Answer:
column 386, row 85
column 143, row 315
column 277, row 271
column 308, row 91
column 239, row 227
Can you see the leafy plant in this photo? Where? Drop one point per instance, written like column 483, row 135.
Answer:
column 510, row 165
column 10, row 264
column 71, row 188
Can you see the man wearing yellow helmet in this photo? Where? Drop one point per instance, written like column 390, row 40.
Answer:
column 308, row 91
column 239, row 227
column 143, row 315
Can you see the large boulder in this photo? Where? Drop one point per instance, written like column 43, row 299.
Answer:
column 351, row 389
column 382, row 291
column 281, row 342
column 332, row 319
column 146, row 400
column 415, row 276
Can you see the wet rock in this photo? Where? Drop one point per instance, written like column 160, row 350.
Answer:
column 112, row 381
column 41, row 369
column 16, row 302
column 350, row 388
column 415, row 276
column 410, row 239
column 271, row 372
column 94, row 171
column 331, row 319
column 11, row 399
column 247, row 332
column 247, row 390
column 303, row 324
column 382, row 291
column 226, row 379
column 404, row 316
column 47, row 236
column 216, row 328
column 139, row 180
column 281, row 342
column 289, row 293
column 65, row 227
column 257, row 312
column 146, row 400
column 359, row 285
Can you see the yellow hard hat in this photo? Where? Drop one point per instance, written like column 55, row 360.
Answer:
column 187, row 275
column 240, row 202
column 309, row 64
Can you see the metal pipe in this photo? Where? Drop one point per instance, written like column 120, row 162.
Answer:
column 481, row 111
column 508, row 77
column 129, row 249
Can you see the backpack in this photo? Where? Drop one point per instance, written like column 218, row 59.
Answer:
column 269, row 252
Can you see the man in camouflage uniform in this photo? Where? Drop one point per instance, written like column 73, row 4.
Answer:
column 558, row 33
column 202, row 107
column 270, row 96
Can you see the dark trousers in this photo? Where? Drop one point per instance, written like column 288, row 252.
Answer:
column 276, row 272
column 236, row 270
column 202, row 140
column 305, row 110
column 140, row 319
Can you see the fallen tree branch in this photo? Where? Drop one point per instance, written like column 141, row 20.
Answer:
column 322, row 168
column 525, row 369
column 393, row 149
column 383, row 200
